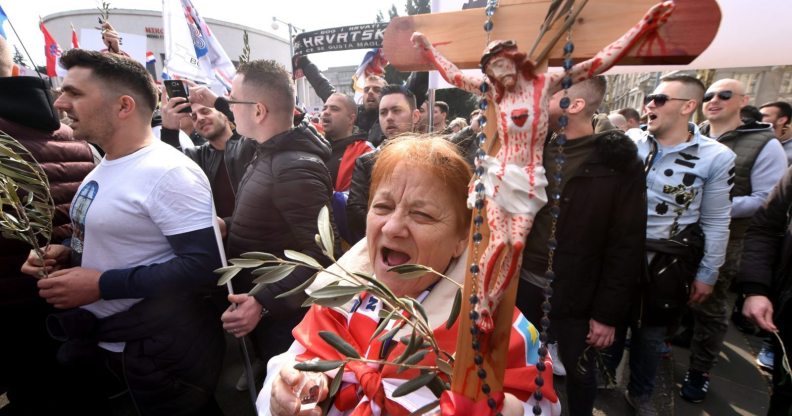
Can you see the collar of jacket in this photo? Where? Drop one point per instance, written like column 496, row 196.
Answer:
column 300, row 138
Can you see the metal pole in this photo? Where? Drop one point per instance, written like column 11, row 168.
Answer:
column 430, row 111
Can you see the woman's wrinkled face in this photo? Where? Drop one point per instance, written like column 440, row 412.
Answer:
column 411, row 221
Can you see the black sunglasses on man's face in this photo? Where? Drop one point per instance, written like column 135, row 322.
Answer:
column 724, row 95
column 660, row 99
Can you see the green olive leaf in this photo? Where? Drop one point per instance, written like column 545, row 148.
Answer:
column 455, row 308
column 339, row 344
column 302, row 258
column 246, row 263
column 326, row 232
column 228, row 275
column 414, row 384
column 319, row 366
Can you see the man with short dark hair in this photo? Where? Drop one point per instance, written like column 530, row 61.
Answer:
column 367, row 117
column 633, row 119
column 398, row 114
column 688, row 177
column 440, row 118
column 223, row 157
column 779, row 114
column 27, row 352
column 758, row 167
column 600, row 233
column 278, row 203
column 144, row 248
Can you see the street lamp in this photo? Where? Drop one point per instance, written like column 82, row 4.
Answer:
column 293, row 30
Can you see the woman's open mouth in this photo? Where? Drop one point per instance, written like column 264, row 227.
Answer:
column 394, row 258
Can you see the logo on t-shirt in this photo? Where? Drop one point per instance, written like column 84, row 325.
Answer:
column 79, row 211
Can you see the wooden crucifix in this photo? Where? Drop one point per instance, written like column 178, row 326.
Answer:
column 446, row 42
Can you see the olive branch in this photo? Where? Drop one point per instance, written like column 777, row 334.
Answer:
column 26, row 206
column 397, row 312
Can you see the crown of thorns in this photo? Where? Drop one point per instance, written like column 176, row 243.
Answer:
column 494, row 48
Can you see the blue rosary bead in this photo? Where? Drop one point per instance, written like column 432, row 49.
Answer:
column 566, row 83
column 474, row 316
column 479, row 186
column 550, row 275
column 548, row 291
column 483, row 105
column 536, row 409
column 540, row 365
column 545, row 322
column 478, row 220
column 484, row 87
column 478, row 359
column 555, row 211
column 485, row 388
column 483, row 121
column 555, row 195
column 474, row 268
column 552, row 244
column 568, row 64
column 558, row 176
column 482, row 138
column 568, row 48
column 546, row 307
column 564, row 103
column 561, row 139
column 473, row 299
column 479, row 172
column 490, row 11
column 477, row 237
column 539, row 381
column 492, row 403
column 563, row 120
column 479, row 205
column 481, row 154
column 488, row 26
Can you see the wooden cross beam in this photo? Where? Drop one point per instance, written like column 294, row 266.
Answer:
column 460, row 37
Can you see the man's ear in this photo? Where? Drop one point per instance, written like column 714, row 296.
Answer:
column 127, row 107
column 689, row 107
column 261, row 112
column 576, row 105
column 416, row 115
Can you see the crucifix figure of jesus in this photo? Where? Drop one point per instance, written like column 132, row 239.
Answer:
column 514, row 179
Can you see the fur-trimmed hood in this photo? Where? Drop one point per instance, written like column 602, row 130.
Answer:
column 615, row 150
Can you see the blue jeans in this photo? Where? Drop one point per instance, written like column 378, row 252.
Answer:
column 646, row 346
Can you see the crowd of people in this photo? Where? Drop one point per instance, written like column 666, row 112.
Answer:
column 659, row 217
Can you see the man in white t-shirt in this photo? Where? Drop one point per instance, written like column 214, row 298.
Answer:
column 144, row 246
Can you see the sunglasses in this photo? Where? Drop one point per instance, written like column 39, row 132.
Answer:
column 661, row 99
column 722, row 95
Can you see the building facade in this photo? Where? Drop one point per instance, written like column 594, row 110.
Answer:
column 763, row 84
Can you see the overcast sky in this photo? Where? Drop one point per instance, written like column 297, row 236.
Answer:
column 305, row 14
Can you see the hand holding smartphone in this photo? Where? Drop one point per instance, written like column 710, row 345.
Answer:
column 177, row 88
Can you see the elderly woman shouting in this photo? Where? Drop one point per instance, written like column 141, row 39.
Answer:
column 417, row 215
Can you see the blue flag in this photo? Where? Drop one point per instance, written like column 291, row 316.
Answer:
column 3, row 19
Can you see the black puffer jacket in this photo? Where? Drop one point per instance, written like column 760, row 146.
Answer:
column 601, row 234
column 277, row 206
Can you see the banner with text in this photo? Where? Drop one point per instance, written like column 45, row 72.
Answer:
column 340, row 39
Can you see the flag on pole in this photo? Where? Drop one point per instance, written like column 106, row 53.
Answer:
column 52, row 51
column 75, row 42
column 191, row 50
column 3, row 18
column 374, row 63
column 151, row 64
